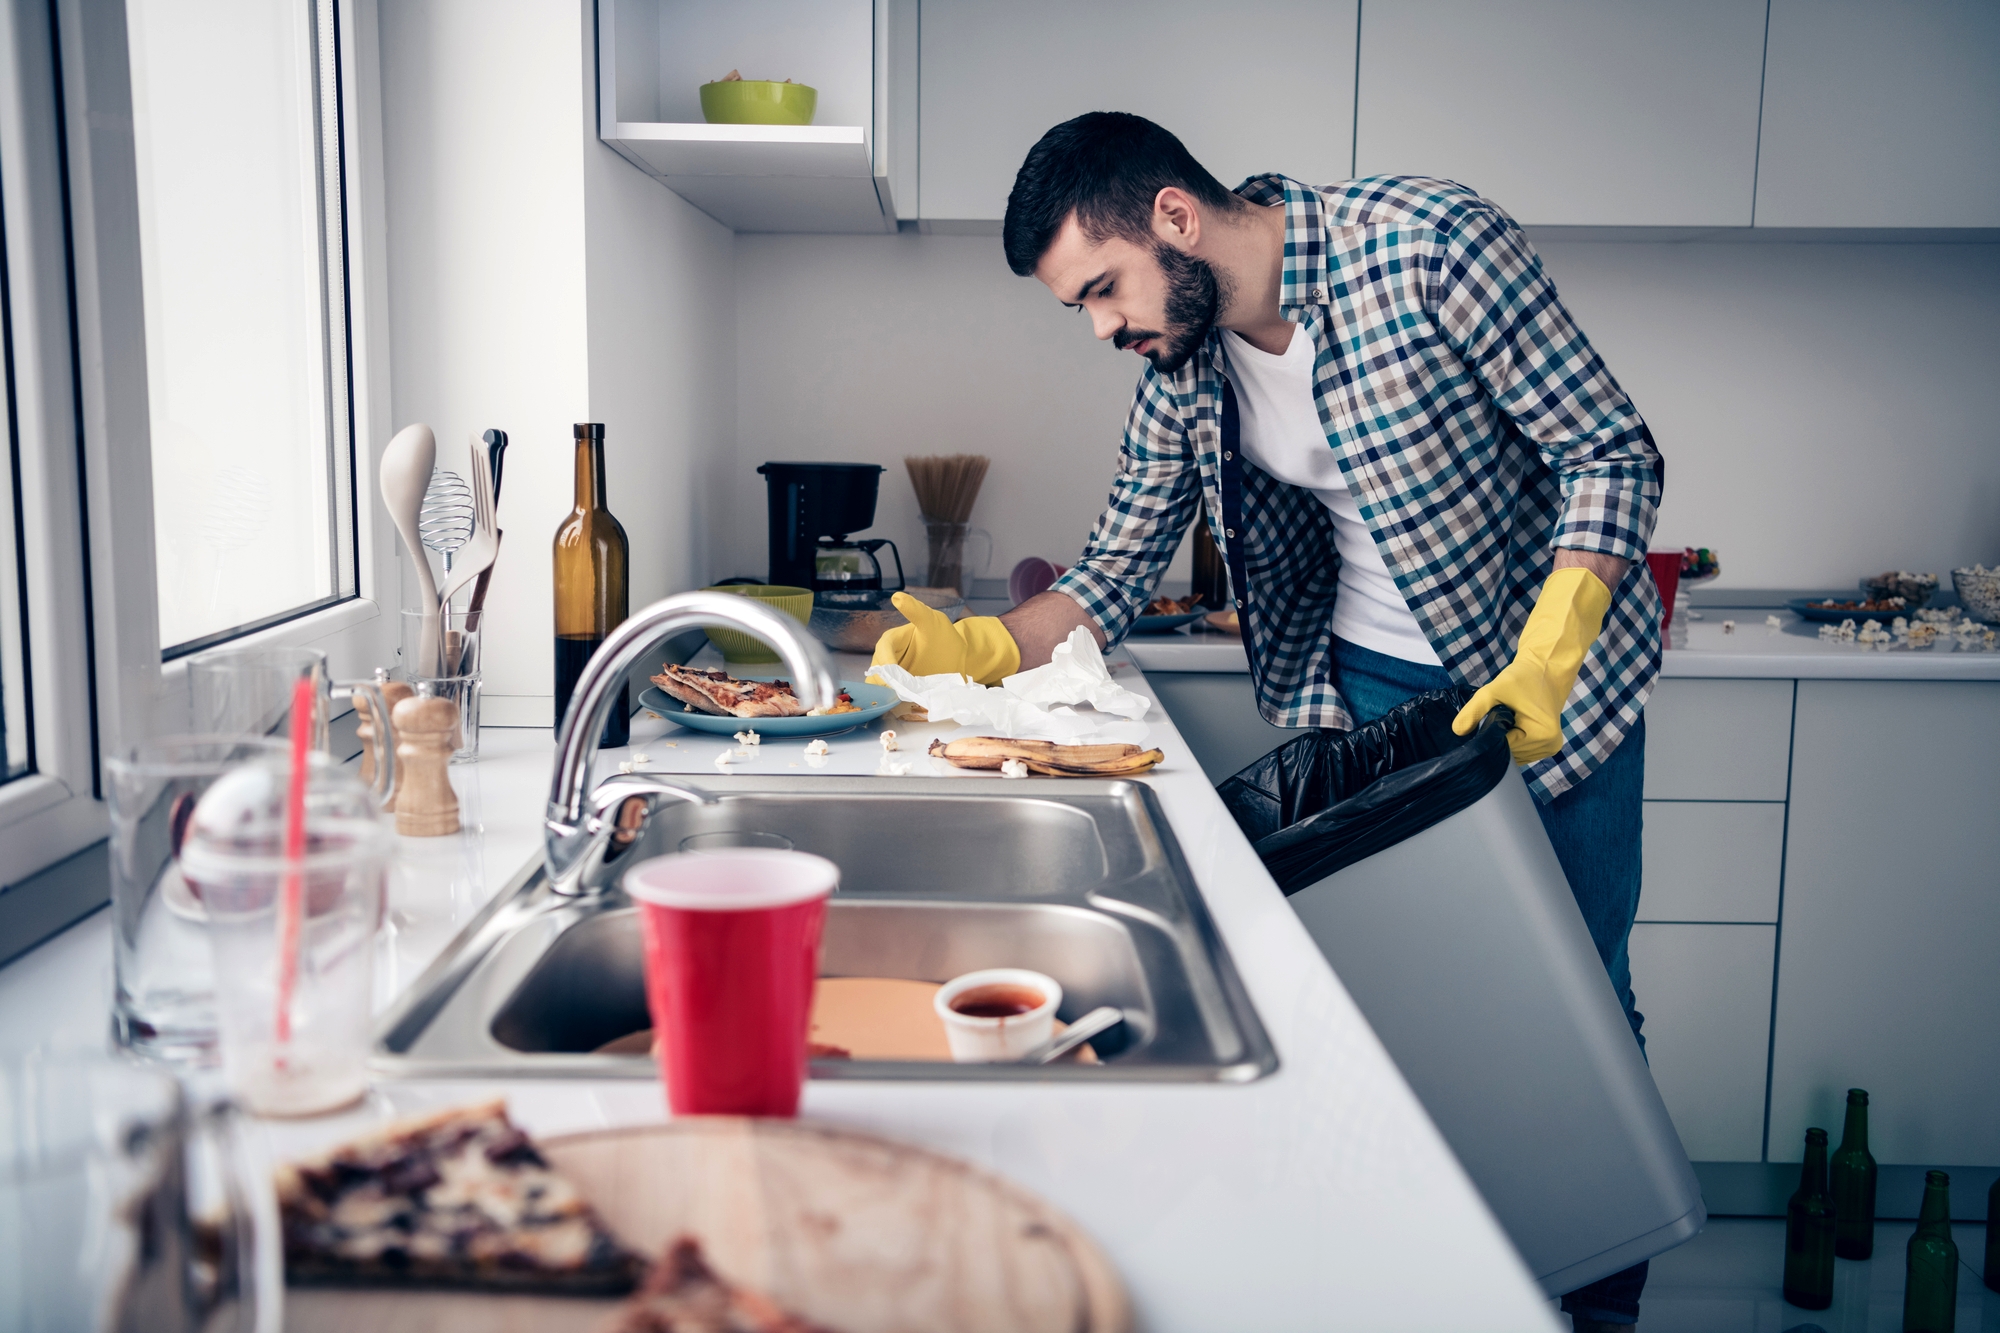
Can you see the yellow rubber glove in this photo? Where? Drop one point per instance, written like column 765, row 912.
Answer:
column 930, row 645
column 1567, row 616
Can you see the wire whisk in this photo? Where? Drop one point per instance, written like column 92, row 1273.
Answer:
column 445, row 521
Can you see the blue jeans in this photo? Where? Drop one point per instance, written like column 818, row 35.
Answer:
column 1595, row 829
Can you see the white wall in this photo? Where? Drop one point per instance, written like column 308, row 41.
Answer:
column 1823, row 408
column 537, row 280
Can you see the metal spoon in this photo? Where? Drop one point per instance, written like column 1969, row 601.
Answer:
column 1101, row 1019
column 405, row 475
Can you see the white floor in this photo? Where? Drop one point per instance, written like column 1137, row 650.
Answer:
column 1729, row 1278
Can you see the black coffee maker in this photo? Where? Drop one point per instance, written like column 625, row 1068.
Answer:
column 813, row 508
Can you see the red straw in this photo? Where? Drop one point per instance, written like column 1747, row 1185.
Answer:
column 304, row 699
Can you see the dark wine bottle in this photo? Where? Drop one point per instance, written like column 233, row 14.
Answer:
column 1930, row 1282
column 1809, row 1230
column 1992, row 1278
column 1852, row 1177
column 1211, row 572
column 591, row 557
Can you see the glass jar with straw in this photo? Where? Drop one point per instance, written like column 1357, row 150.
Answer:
column 946, row 486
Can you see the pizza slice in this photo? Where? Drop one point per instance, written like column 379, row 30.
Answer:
column 682, row 1294
column 457, row 1198
column 723, row 695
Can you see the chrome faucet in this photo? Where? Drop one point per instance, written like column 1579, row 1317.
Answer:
column 586, row 830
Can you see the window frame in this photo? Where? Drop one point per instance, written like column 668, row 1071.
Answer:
column 99, row 679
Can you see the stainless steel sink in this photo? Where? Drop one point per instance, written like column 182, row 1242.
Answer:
column 1081, row 880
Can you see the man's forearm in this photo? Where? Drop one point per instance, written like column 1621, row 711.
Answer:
column 1610, row 570
column 1042, row 622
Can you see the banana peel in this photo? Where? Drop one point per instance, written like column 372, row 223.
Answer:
column 1047, row 758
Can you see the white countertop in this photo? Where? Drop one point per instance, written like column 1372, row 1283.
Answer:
column 1753, row 649
column 1320, row 1196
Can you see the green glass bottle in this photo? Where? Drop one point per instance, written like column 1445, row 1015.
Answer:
column 1930, row 1283
column 1852, row 1176
column 1809, row 1231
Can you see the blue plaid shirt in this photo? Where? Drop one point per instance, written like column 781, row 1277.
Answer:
column 1475, row 426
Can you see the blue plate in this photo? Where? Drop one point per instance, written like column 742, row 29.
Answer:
column 1160, row 624
column 1807, row 609
column 874, row 701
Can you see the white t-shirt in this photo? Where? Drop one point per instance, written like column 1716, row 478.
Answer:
column 1282, row 434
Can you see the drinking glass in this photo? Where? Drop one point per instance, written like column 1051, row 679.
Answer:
column 946, row 567
column 456, row 677
column 248, row 691
column 293, row 941
column 163, row 1005
column 732, row 954
column 96, row 1228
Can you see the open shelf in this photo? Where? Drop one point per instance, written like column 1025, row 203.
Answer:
column 763, row 177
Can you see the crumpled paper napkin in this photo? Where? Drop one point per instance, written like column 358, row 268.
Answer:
column 1033, row 705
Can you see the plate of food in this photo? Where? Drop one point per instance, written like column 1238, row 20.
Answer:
column 1833, row 610
column 721, row 704
column 1165, row 613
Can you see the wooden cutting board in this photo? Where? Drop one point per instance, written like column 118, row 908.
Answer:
column 858, row 1233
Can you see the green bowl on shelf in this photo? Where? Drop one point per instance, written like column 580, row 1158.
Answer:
column 740, row 649
column 758, row 102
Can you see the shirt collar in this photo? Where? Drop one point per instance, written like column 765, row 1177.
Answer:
column 1304, row 280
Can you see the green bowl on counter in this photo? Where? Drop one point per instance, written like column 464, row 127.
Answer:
column 758, row 102
column 740, row 649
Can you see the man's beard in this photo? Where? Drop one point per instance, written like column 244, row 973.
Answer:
column 1195, row 297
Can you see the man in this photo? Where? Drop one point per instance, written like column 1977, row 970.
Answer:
column 1422, row 477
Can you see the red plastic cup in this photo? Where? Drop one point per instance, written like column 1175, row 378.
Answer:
column 1666, row 567
column 732, row 954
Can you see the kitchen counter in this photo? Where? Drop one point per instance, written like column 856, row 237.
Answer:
column 1793, row 651
column 1318, row 1196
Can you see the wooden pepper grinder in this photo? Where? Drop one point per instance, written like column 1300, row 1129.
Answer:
column 426, row 806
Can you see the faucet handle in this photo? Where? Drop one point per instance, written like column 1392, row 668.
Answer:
column 620, row 808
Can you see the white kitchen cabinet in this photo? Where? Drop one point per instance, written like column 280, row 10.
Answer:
column 1216, row 714
column 1256, row 86
column 1881, row 115
column 1712, row 860
column 1568, row 112
column 1889, row 966
column 1718, row 740
column 1706, row 993
column 838, row 174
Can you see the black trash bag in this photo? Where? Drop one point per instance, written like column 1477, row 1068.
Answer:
column 1330, row 798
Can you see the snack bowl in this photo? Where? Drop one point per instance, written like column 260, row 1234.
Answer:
column 1978, row 590
column 739, row 648
column 1915, row 589
column 998, row 1036
column 758, row 102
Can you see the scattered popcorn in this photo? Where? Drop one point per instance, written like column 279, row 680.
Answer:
column 1872, row 633
column 1013, row 768
column 1899, row 626
column 889, row 742
column 1923, row 635
column 818, row 747
column 625, row 766
column 1772, row 622
column 1728, row 627
column 746, row 739
column 642, row 759
column 725, row 759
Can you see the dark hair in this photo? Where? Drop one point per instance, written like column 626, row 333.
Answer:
column 1106, row 167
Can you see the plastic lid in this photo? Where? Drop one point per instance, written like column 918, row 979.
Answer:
column 746, row 879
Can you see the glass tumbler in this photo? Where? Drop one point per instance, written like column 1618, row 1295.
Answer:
column 454, row 675
column 248, row 691
column 946, row 567
column 163, row 1005
column 293, row 942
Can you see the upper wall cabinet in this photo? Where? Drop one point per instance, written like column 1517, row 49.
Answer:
column 1249, row 87
column 1568, row 112
column 842, row 173
column 1881, row 115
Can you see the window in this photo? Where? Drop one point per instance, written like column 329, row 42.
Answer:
column 242, row 240
column 17, row 752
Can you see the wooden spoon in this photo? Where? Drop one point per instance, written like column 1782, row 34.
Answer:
column 405, row 475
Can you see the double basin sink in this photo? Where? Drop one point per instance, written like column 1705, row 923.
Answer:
column 1081, row 880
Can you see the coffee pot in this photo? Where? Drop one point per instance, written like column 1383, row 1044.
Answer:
column 848, row 576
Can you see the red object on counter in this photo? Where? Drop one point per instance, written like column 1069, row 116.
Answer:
column 732, row 955
column 1666, row 567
